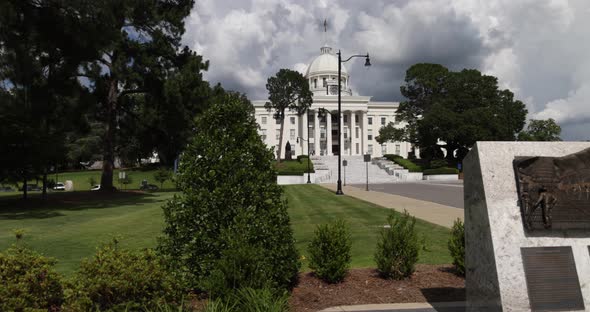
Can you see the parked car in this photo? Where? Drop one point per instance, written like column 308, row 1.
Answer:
column 6, row 189
column 32, row 187
column 95, row 188
column 59, row 186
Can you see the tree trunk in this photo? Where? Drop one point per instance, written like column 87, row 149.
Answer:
column 24, row 185
column 108, row 160
column 44, row 184
column 281, row 137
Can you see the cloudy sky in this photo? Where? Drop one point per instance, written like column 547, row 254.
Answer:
column 539, row 49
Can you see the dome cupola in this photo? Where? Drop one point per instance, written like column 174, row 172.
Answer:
column 322, row 72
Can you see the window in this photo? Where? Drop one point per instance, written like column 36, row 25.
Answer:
column 315, row 83
column 311, row 132
column 263, row 134
column 370, row 135
column 356, row 118
column 383, row 119
column 357, row 148
column 370, row 120
column 325, row 83
column 277, row 121
column 397, row 149
column 345, row 133
column 383, row 149
column 370, row 149
column 278, row 134
column 263, row 120
column 292, row 134
column 356, row 132
column 345, row 118
column 292, row 120
column 323, row 133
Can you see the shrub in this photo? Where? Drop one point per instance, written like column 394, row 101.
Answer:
column 408, row 164
column 241, row 265
column 444, row 170
column 457, row 246
column 28, row 281
column 438, row 163
column 264, row 299
column 226, row 171
column 397, row 249
column 251, row 300
column 392, row 156
column 162, row 175
column 329, row 251
column 117, row 279
column 92, row 181
column 302, row 158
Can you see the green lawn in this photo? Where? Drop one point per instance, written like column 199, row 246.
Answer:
column 310, row 205
column 81, row 180
column 72, row 225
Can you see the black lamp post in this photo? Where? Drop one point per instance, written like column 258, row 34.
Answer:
column 307, row 141
column 340, row 61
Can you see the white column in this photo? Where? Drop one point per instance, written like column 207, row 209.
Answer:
column 352, row 133
column 329, row 134
column 341, row 134
column 364, row 132
column 305, row 143
column 316, row 132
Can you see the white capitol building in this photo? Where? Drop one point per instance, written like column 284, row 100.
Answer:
column 361, row 117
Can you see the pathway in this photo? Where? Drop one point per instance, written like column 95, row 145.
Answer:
column 402, row 307
column 425, row 210
column 440, row 192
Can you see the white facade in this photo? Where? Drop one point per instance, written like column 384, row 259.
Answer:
column 361, row 118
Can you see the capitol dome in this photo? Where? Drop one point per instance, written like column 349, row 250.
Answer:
column 323, row 71
column 326, row 62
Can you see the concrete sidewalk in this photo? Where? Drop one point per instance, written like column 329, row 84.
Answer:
column 402, row 307
column 428, row 211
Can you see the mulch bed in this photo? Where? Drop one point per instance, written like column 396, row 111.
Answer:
column 430, row 283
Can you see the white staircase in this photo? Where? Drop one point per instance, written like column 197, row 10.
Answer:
column 326, row 168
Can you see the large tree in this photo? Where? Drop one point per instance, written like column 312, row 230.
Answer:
column 541, row 130
column 40, row 49
column 141, row 51
column 453, row 110
column 288, row 91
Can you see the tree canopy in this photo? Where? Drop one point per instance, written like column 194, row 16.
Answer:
column 541, row 130
column 94, row 80
column 288, row 91
column 453, row 110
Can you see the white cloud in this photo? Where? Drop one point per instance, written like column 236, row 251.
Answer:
column 536, row 48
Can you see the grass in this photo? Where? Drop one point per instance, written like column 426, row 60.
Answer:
column 70, row 226
column 81, row 180
column 310, row 205
column 293, row 167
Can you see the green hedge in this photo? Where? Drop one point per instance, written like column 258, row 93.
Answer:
column 444, row 170
column 302, row 158
column 293, row 167
column 392, row 156
column 408, row 164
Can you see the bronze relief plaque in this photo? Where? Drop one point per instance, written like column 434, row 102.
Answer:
column 552, row 279
column 554, row 192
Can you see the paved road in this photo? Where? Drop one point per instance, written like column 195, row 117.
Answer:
column 440, row 192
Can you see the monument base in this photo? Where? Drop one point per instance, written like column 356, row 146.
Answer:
column 507, row 267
